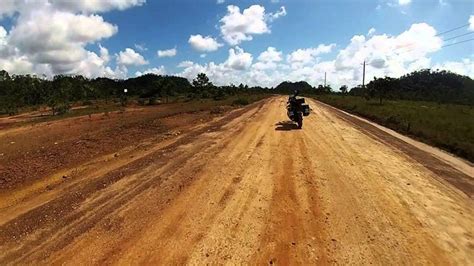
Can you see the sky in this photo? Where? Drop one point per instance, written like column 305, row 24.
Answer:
column 237, row 41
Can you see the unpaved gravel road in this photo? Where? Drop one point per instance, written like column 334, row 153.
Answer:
column 249, row 188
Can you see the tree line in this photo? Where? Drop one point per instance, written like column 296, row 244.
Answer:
column 60, row 92
column 18, row 91
column 423, row 85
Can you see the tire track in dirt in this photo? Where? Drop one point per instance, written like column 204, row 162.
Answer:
column 61, row 220
column 389, row 192
column 248, row 189
column 459, row 179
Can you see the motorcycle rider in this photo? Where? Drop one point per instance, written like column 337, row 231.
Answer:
column 292, row 98
column 296, row 109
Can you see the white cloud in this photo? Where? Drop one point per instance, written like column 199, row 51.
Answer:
column 404, row 2
column 167, row 53
column 371, row 32
column 50, row 30
column 220, row 1
column 10, row 7
column 280, row 13
column 95, row 5
column 104, row 54
column 3, row 37
column 54, row 41
column 270, row 55
column 303, row 57
column 471, row 22
column 204, row 44
column 140, row 47
column 463, row 67
column 129, row 57
column 185, row 64
column 385, row 55
column 390, row 53
column 157, row 71
column 239, row 59
column 233, row 70
column 237, row 26
column 50, row 37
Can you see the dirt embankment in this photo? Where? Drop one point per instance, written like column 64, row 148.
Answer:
column 36, row 151
column 247, row 188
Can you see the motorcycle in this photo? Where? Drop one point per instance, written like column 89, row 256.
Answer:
column 296, row 109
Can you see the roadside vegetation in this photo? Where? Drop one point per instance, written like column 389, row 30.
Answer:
column 66, row 96
column 436, row 107
column 448, row 126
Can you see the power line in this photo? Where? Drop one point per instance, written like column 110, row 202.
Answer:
column 457, row 28
column 458, row 42
column 459, row 36
column 439, row 34
column 463, row 41
column 451, row 38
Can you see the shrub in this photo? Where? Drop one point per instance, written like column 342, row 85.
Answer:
column 141, row 101
column 153, row 101
column 240, row 101
column 61, row 109
column 87, row 102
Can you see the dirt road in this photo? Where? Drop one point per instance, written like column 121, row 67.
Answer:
column 249, row 188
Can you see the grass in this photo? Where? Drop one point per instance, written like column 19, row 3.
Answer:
column 447, row 126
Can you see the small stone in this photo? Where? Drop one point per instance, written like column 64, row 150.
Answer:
column 65, row 176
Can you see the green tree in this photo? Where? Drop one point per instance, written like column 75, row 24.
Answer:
column 58, row 99
column 201, row 81
column 343, row 89
column 202, row 86
column 10, row 98
column 4, row 75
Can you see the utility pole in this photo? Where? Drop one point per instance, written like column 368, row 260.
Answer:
column 325, row 79
column 363, row 76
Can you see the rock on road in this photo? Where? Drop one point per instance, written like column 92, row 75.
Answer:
column 249, row 188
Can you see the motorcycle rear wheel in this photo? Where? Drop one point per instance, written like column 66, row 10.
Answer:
column 299, row 121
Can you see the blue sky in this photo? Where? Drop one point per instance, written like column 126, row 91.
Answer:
column 327, row 36
column 166, row 24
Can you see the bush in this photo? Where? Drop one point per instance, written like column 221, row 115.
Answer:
column 240, row 101
column 141, row 101
column 153, row 101
column 61, row 109
column 87, row 102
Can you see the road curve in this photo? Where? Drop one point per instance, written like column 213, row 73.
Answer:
column 249, row 188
